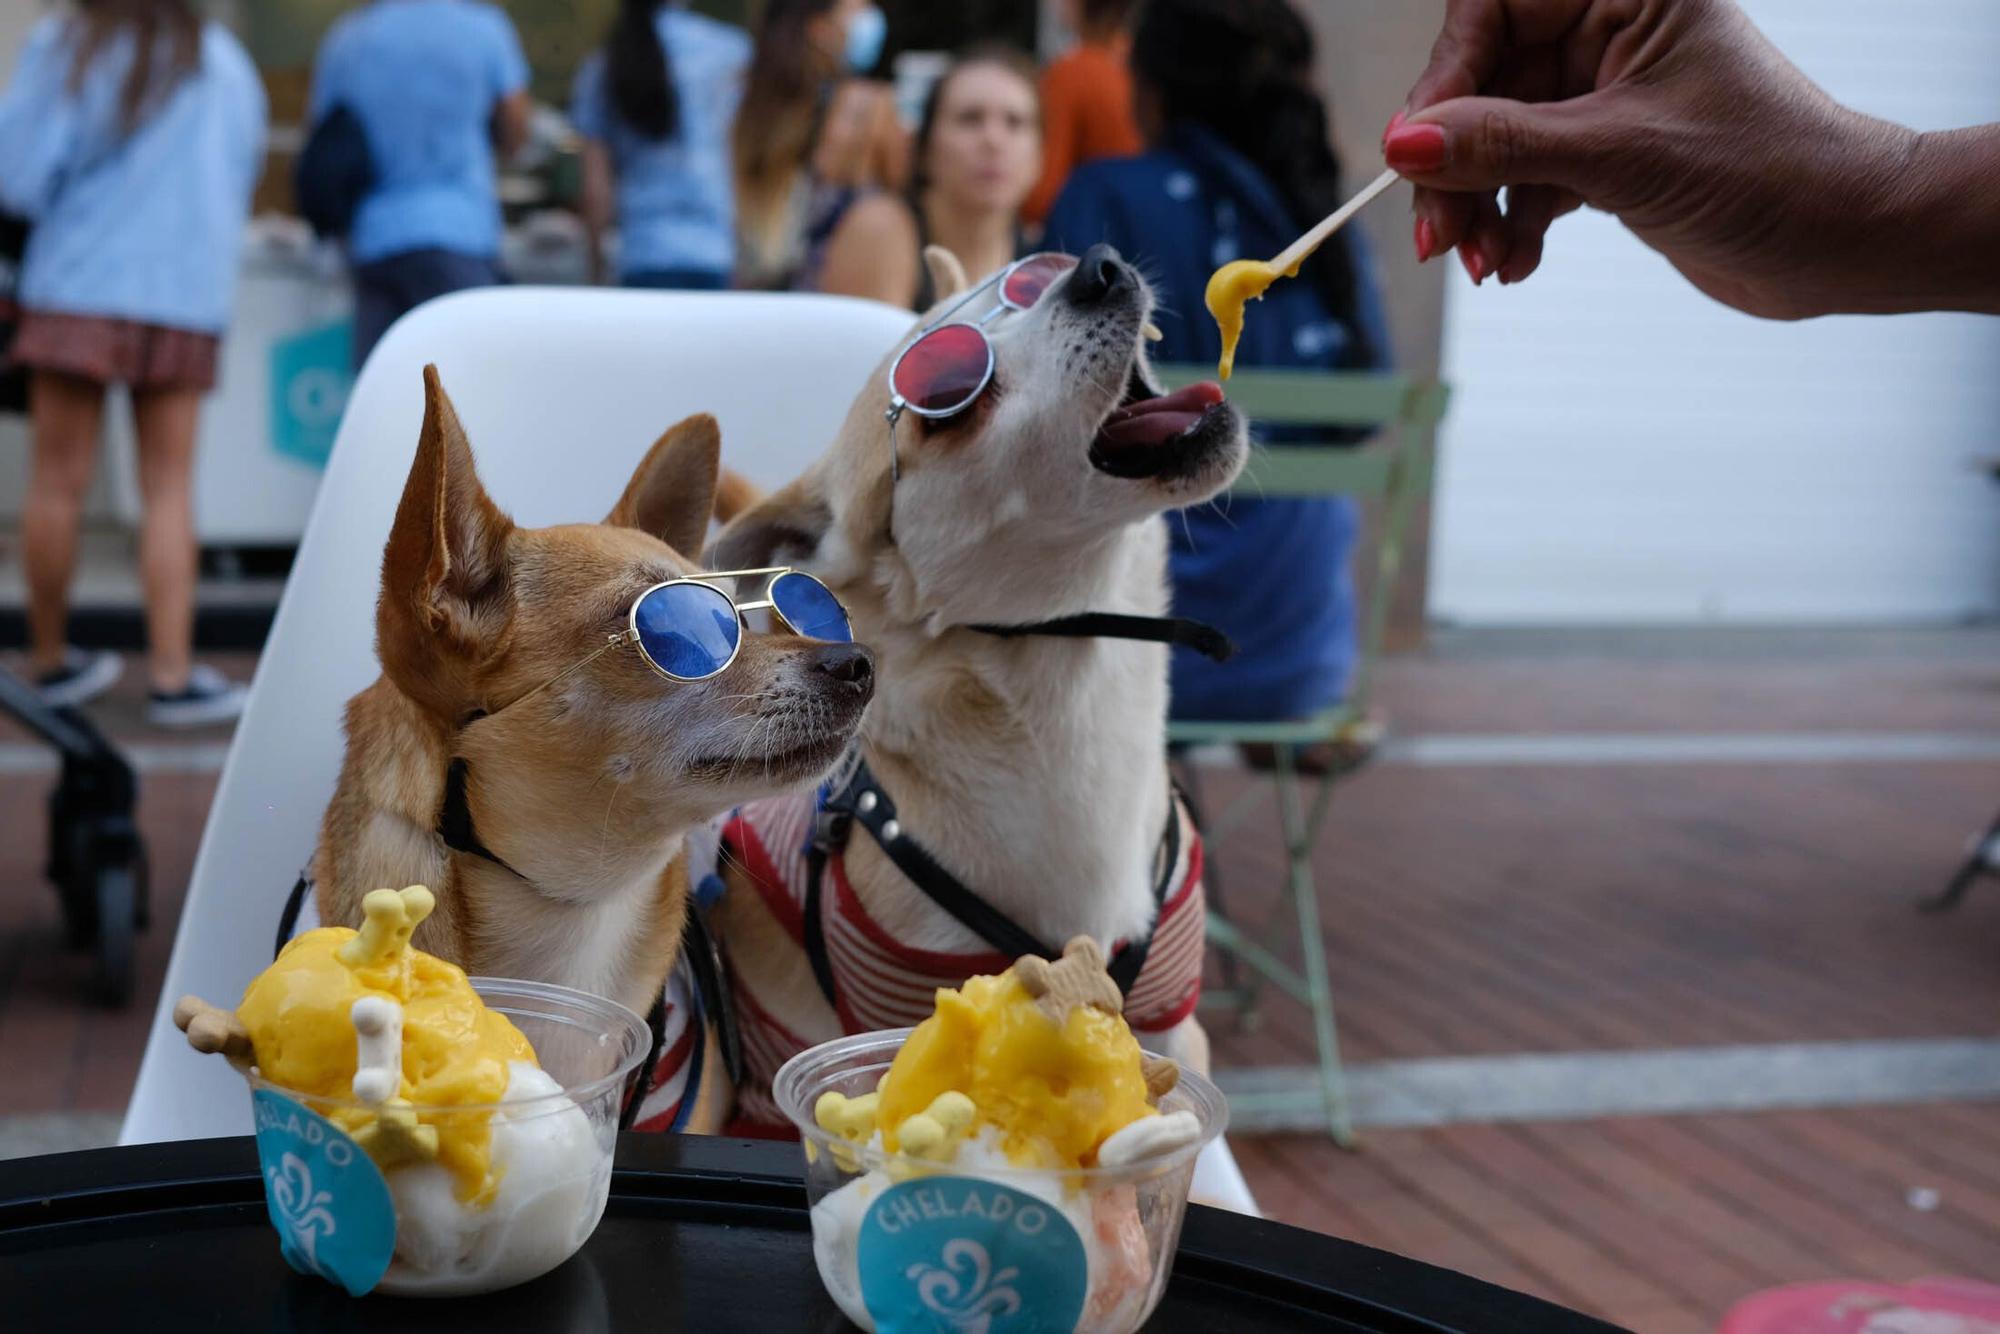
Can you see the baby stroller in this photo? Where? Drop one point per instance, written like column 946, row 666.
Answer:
column 96, row 857
column 97, row 860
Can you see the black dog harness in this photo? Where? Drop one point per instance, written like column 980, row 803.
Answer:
column 854, row 796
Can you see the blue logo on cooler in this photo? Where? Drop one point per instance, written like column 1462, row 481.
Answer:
column 325, row 1196
column 963, row 1256
column 310, row 378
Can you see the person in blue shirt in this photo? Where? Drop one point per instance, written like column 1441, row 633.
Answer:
column 1239, row 164
column 131, row 137
column 655, row 106
column 437, row 85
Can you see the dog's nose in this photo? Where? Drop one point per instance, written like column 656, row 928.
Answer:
column 1098, row 274
column 852, row 666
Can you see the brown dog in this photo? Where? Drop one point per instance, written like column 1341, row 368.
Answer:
column 580, row 792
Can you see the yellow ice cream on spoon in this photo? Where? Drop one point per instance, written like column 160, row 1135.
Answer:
column 1236, row 284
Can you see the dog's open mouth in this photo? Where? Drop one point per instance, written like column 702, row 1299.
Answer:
column 1157, row 435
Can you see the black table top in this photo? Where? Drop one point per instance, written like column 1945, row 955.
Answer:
column 701, row 1234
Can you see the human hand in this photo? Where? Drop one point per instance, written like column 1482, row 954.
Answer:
column 1677, row 116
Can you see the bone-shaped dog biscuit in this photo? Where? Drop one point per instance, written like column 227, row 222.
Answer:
column 378, row 1049
column 396, row 1137
column 1149, row 1137
column 852, row 1119
column 212, row 1029
column 931, row 1132
column 1078, row 978
column 391, row 915
column 849, row 1118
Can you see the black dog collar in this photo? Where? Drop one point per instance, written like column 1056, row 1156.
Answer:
column 454, row 822
column 1203, row 638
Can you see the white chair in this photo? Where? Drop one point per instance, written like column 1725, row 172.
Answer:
column 561, row 390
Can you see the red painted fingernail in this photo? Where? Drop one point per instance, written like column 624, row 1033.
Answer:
column 1416, row 148
column 1475, row 264
column 1395, row 123
column 1426, row 240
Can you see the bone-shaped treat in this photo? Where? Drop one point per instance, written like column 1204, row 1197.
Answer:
column 1078, row 978
column 932, row 1133
column 391, row 915
column 214, row 1030
column 852, row 1119
column 1149, row 1137
column 395, row 1136
column 849, row 1118
column 1161, row 1074
column 378, row 1049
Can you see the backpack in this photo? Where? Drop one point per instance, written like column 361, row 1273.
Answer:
column 335, row 172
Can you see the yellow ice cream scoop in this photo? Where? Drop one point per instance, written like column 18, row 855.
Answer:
column 363, row 1020
column 1236, row 284
column 1041, row 1053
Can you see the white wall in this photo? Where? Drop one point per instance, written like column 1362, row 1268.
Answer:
column 1622, row 449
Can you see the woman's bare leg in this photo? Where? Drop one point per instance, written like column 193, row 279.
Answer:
column 166, row 421
column 67, row 411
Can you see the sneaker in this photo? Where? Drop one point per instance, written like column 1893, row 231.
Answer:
column 208, row 697
column 84, row 675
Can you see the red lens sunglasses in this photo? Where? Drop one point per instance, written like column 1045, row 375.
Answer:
column 949, row 365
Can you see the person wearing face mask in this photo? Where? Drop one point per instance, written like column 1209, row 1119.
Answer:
column 813, row 135
column 977, row 154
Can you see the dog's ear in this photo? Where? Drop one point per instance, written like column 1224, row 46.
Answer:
column 445, row 581
column 783, row 528
column 947, row 274
column 672, row 493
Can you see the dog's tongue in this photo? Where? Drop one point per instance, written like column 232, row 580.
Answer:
column 1154, row 421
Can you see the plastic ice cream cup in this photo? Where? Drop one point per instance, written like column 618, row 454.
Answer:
column 406, row 1230
column 904, row 1243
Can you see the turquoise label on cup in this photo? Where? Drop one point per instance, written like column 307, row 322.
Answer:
column 326, row 1197
column 966, row 1256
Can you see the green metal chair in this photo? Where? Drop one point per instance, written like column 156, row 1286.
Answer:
column 1389, row 472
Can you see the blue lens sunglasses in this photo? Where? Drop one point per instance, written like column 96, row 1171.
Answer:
column 689, row 630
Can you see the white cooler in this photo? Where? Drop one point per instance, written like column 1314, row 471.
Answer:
column 283, row 380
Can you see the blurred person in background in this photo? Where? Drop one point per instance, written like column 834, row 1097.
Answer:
column 1086, row 98
column 131, row 136
column 655, row 106
column 975, row 159
column 437, row 85
column 1240, row 162
column 813, row 136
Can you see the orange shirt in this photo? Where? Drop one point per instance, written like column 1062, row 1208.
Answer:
column 1086, row 114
